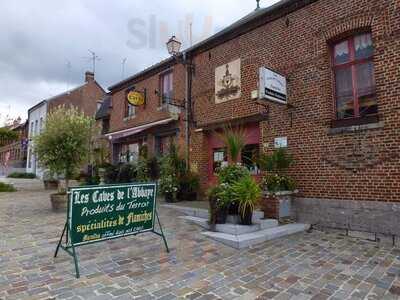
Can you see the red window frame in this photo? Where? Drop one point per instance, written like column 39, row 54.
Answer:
column 353, row 63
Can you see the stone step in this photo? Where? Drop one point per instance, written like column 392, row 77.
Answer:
column 253, row 238
column 234, row 229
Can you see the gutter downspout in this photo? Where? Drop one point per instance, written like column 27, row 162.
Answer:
column 188, row 73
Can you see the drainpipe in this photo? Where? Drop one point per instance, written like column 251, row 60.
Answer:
column 188, row 73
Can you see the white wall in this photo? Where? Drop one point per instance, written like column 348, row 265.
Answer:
column 36, row 119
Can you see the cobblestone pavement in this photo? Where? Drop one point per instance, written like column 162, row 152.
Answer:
column 305, row 266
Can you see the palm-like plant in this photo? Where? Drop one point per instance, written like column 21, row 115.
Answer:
column 247, row 192
column 235, row 140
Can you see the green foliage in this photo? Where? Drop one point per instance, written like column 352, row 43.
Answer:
column 247, row 193
column 277, row 162
column 232, row 173
column 189, row 183
column 142, row 167
column 172, row 168
column 7, row 136
column 235, row 140
column 64, row 145
column 4, row 187
column 277, row 182
column 22, row 175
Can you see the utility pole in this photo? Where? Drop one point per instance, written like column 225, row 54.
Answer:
column 123, row 68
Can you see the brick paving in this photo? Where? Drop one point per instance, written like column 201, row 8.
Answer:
column 313, row 265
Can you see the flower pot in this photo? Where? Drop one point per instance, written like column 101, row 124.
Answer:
column 169, row 197
column 234, row 208
column 278, row 205
column 246, row 216
column 221, row 215
column 50, row 184
column 59, row 202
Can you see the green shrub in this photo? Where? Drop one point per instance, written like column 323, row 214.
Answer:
column 22, row 175
column 4, row 187
column 232, row 173
column 277, row 162
column 277, row 182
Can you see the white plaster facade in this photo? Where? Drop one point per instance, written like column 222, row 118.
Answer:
column 36, row 118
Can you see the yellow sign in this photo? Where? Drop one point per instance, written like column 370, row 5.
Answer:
column 135, row 98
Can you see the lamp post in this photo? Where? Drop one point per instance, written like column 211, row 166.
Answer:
column 174, row 47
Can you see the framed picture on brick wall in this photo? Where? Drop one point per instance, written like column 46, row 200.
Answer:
column 227, row 82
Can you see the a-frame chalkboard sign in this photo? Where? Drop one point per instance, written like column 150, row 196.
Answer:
column 100, row 213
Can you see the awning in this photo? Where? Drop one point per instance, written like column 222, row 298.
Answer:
column 135, row 130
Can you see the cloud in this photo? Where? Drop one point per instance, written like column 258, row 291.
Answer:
column 38, row 38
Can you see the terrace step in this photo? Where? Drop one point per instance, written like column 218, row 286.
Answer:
column 253, row 238
column 234, row 229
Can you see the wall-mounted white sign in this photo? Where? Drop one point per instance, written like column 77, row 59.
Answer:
column 280, row 142
column 272, row 86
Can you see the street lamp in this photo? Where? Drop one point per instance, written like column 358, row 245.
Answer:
column 173, row 46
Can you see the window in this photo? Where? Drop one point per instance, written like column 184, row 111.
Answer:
column 166, row 81
column 220, row 158
column 129, row 153
column 31, row 129
column 163, row 143
column 129, row 110
column 36, row 127
column 105, row 126
column 354, row 77
column 41, row 125
column 249, row 158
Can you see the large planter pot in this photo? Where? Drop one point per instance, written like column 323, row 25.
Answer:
column 59, row 202
column 169, row 198
column 187, row 196
column 50, row 184
column 221, row 215
column 278, row 205
column 246, row 216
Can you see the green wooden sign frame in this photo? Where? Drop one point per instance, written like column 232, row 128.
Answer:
column 108, row 201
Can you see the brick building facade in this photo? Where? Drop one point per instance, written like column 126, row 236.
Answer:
column 13, row 154
column 157, row 122
column 340, row 154
column 342, row 118
column 86, row 97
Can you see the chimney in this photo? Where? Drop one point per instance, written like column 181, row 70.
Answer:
column 89, row 76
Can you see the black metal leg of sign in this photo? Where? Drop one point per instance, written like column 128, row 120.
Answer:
column 162, row 232
column 60, row 241
column 75, row 262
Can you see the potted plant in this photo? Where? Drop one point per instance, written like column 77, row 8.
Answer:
column 279, row 188
column 219, row 204
column 49, row 181
column 189, row 184
column 247, row 193
column 63, row 147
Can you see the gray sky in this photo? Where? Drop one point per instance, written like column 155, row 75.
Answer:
column 39, row 38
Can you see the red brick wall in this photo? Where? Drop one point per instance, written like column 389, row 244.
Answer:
column 84, row 98
column 152, row 111
column 298, row 46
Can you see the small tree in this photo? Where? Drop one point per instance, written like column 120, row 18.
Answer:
column 7, row 135
column 64, row 145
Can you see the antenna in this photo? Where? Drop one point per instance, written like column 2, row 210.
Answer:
column 93, row 58
column 258, row 4
column 123, row 68
column 69, row 66
column 191, row 34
